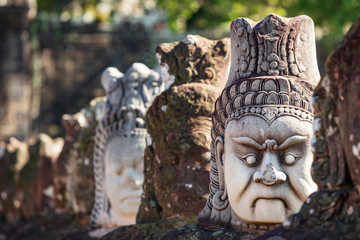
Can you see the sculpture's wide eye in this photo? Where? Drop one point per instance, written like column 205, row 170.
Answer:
column 249, row 159
column 290, row 159
column 116, row 167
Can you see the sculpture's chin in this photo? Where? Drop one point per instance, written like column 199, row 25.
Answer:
column 121, row 219
column 266, row 211
column 127, row 207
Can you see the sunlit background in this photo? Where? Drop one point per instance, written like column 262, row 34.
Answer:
column 53, row 52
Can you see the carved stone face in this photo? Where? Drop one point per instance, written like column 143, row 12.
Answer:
column 124, row 175
column 266, row 168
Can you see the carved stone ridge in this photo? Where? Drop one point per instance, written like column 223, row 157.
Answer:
column 270, row 112
column 260, row 92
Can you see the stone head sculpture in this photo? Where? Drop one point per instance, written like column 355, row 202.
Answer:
column 119, row 146
column 262, row 125
column 179, row 122
column 194, row 59
column 74, row 166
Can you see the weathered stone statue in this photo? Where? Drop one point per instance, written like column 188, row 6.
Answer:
column 120, row 143
column 262, row 127
column 334, row 211
column 262, row 124
column 176, row 174
column 77, row 160
column 179, row 125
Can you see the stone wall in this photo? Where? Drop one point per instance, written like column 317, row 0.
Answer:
column 72, row 65
column 57, row 71
column 15, row 80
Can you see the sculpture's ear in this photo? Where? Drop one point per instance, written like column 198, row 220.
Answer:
column 219, row 153
column 219, row 150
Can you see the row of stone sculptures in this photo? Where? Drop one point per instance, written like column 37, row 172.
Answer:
column 259, row 156
column 177, row 134
column 243, row 128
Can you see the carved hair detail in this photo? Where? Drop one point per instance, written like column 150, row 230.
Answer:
column 252, row 95
column 270, row 113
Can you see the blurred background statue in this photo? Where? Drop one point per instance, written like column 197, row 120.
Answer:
column 120, row 144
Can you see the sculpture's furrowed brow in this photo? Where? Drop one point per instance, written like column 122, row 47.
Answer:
column 291, row 141
column 249, row 142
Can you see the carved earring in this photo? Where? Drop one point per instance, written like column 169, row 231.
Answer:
column 220, row 200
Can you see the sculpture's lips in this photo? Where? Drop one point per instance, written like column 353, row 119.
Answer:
column 270, row 198
column 131, row 199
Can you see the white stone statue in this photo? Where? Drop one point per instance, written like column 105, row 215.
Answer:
column 262, row 125
column 120, row 144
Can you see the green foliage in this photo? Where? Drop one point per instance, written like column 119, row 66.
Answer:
column 193, row 14
column 333, row 16
column 80, row 12
column 51, row 5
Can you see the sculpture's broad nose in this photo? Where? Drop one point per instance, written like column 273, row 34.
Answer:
column 134, row 178
column 269, row 173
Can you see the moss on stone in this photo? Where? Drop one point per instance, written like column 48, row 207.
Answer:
column 179, row 122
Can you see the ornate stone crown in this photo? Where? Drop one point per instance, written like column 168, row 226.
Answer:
column 274, row 46
column 273, row 72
